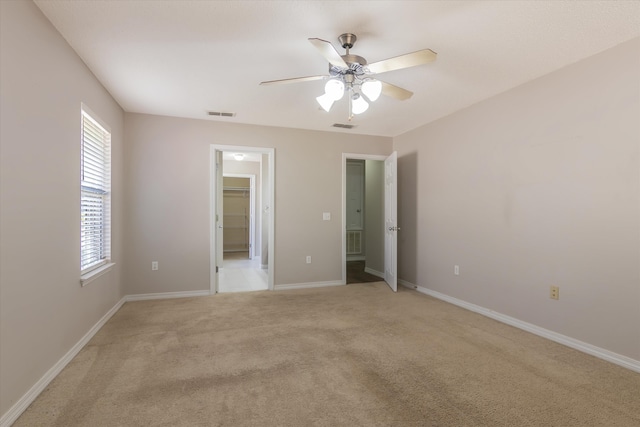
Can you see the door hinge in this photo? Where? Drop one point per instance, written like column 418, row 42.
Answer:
column 216, row 268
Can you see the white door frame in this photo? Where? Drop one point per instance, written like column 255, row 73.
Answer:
column 252, row 208
column 350, row 156
column 270, row 152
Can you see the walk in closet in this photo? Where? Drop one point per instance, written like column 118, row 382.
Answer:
column 237, row 210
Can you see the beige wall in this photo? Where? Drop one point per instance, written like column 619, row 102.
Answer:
column 167, row 172
column 43, row 309
column 535, row 187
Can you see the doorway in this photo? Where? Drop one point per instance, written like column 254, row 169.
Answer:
column 242, row 224
column 365, row 220
column 369, row 244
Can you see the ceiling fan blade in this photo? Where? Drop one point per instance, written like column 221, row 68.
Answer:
column 395, row 92
column 403, row 61
column 329, row 52
column 294, row 80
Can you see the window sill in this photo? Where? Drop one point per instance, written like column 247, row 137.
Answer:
column 92, row 275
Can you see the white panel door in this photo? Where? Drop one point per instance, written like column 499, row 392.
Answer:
column 219, row 214
column 391, row 221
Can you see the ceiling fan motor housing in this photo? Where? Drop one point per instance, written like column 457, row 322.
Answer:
column 354, row 59
column 356, row 69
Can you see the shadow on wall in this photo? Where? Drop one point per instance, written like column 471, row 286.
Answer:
column 408, row 217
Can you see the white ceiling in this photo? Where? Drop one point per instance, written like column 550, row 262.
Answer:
column 184, row 58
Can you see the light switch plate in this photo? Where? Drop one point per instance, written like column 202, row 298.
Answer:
column 326, row 216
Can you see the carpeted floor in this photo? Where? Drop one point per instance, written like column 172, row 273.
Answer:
column 354, row 355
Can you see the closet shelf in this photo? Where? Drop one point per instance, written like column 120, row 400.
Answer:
column 236, row 188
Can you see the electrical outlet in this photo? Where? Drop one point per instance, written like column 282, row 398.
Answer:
column 456, row 270
column 554, row 292
column 154, row 265
column 308, row 260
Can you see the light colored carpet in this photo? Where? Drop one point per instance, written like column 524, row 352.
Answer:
column 355, row 355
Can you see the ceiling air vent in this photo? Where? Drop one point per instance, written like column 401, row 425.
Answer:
column 221, row 114
column 343, row 126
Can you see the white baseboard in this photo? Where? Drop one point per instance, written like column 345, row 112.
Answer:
column 601, row 353
column 375, row 272
column 407, row 284
column 23, row 403
column 309, row 285
column 167, row 295
column 264, row 266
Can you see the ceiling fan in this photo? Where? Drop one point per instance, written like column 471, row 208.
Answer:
column 353, row 73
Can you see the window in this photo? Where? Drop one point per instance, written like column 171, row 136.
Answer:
column 95, row 197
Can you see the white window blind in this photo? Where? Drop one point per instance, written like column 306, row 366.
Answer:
column 95, row 205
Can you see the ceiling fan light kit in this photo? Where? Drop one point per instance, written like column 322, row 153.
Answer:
column 372, row 89
column 353, row 74
column 325, row 101
column 358, row 104
column 334, row 89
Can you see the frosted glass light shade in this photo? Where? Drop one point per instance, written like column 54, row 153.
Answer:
column 372, row 88
column 325, row 102
column 334, row 88
column 358, row 104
